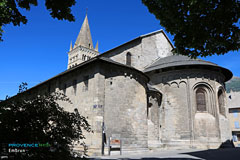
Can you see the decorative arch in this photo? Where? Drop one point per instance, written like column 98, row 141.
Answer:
column 207, row 85
column 167, row 84
column 182, row 83
column 174, row 85
column 204, row 98
column 128, row 59
column 221, row 100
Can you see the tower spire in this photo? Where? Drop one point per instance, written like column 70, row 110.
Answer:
column 84, row 37
column 83, row 48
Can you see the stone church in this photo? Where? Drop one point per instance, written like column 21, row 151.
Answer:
column 143, row 94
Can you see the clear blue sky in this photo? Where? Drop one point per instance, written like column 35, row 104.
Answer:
column 37, row 51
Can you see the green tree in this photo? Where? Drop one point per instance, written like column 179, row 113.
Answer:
column 22, row 87
column 40, row 120
column 9, row 12
column 200, row 27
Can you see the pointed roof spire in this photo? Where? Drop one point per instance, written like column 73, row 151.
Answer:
column 84, row 37
column 70, row 46
column 96, row 47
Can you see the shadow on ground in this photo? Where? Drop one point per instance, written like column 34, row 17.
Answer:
column 150, row 158
column 217, row 154
column 154, row 158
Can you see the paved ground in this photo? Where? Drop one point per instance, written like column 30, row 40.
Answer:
column 217, row 154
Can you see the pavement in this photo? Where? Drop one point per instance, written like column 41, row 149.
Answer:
column 193, row 154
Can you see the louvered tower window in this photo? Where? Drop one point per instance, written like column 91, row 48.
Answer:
column 201, row 100
column 128, row 59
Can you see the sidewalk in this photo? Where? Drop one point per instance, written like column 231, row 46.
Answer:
column 217, row 154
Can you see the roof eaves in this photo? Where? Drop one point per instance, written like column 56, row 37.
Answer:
column 85, row 63
column 233, row 107
column 156, row 68
column 65, row 72
column 123, row 65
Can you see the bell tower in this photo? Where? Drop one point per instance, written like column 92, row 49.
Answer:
column 83, row 49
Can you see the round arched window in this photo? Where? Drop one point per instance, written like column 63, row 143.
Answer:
column 201, row 99
column 128, row 59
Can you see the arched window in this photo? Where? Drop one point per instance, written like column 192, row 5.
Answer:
column 201, row 99
column 221, row 102
column 84, row 57
column 128, row 59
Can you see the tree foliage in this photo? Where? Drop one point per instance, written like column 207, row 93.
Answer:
column 200, row 27
column 22, row 87
column 9, row 11
column 41, row 120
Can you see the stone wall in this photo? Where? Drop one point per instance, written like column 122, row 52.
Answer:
column 86, row 96
column 144, row 51
column 153, row 115
column 181, row 124
column 233, row 99
column 111, row 94
column 125, row 106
